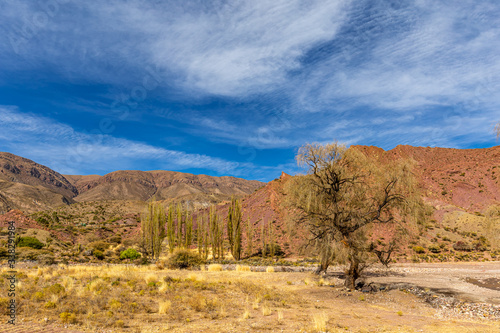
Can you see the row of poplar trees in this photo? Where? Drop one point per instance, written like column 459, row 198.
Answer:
column 177, row 227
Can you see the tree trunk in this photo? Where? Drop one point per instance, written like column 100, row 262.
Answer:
column 321, row 268
column 352, row 274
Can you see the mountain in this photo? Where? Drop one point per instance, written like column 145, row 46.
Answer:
column 18, row 169
column 163, row 185
column 30, row 187
column 468, row 179
column 460, row 184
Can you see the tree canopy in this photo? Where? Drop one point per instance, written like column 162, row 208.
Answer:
column 345, row 196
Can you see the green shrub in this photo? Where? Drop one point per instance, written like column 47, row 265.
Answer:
column 98, row 254
column 3, row 252
column 68, row 317
column 46, row 259
column 434, row 248
column 182, row 259
column 129, row 254
column 55, row 289
column 30, row 242
column 99, row 245
column 462, row 246
column 418, row 249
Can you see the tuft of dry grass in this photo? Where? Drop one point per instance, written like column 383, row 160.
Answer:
column 242, row 268
column 266, row 310
column 280, row 316
column 164, row 306
column 270, row 269
column 151, row 278
column 246, row 314
column 214, row 268
column 319, row 322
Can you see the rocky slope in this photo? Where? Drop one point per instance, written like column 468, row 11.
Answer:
column 465, row 178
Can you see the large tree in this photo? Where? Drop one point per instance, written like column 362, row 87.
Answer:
column 346, row 196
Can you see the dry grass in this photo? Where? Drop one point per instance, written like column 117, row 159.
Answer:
column 246, row 314
column 319, row 322
column 266, row 310
column 242, row 268
column 164, row 307
column 124, row 299
column 280, row 316
column 270, row 269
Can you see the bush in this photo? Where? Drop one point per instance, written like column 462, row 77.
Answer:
column 30, row 242
column 270, row 248
column 434, row 248
column 68, row 317
column 129, row 254
column 99, row 245
column 182, row 259
column 98, row 254
column 27, row 253
column 115, row 239
column 46, row 259
column 462, row 246
column 418, row 249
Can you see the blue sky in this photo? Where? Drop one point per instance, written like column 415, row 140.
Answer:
column 234, row 88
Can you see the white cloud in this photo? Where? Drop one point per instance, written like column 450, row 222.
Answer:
column 67, row 151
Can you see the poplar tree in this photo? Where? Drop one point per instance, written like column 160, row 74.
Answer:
column 179, row 238
column 153, row 228
column 189, row 230
column 171, row 229
column 234, row 228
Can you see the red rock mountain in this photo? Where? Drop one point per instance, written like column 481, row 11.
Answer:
column 466, row 180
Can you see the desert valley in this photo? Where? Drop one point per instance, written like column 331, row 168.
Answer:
column 82, row 262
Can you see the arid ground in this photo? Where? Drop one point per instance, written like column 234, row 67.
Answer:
column 458, row 297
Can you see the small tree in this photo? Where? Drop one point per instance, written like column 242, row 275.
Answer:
column 153, row 229
column 345, row 195
column 497, row 130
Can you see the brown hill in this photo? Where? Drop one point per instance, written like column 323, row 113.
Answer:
column 163, row 185
column 30, row 186
column 18, row 169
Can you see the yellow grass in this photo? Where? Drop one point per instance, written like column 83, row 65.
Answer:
column 214, row 268
column 164, row 306
column 112, row 297
column 242, row 268
column 319, row 322
column 270, row 269
column 246, row 314
column 266, row 310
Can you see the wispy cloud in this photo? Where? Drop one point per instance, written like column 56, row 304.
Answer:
column 68, row 151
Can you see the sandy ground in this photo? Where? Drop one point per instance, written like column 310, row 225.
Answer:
column 472, row 282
